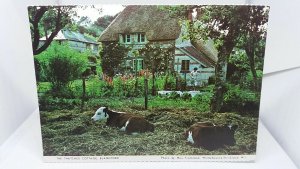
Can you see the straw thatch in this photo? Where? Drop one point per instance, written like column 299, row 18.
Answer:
column 199, row 51
column 207, row 49
column 156, row 23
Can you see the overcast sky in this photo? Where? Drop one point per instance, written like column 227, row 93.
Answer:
column 94, row 14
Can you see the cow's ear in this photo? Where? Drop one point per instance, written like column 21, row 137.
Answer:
column 105, row 109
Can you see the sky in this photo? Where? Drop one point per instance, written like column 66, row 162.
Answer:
column 94, row 14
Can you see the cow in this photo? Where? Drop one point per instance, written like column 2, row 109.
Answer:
column 129, row 123
column 210, row 136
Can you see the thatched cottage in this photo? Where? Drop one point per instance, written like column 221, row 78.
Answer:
column 138, row 25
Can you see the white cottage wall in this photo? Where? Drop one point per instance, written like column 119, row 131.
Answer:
column 203, row 72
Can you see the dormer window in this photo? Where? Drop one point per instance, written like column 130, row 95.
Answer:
column 141, row 38
column 127, row 38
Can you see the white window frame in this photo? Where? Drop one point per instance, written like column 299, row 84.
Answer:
column 140, row 35
column 127, row 37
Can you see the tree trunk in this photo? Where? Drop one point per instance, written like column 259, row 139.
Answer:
column 250, row 53
column 220, row 74
column 219, row 89
column 36, row 34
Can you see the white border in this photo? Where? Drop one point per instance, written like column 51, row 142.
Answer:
column 162, row 158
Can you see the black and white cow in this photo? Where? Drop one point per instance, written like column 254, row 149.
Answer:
column 210, row 136
column 124, row 121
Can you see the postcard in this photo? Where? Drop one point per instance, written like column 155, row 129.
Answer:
column 149, row 82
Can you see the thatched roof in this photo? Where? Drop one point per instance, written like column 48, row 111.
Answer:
column 208, row 50
column 199, row 52
column 155, row 22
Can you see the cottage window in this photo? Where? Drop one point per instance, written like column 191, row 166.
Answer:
column 127, row 38
column 138, row 64
column 185, row 65
column 141, row 37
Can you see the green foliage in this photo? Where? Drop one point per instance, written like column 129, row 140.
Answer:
column 156, row 57
column 112, row 55
column 239, row 58
column 48, row 21
column 132, row 87
column 38, row 72
column 104, row 21
column 63, row 69
column 170, row 82
column 240, row 100
column 204, row 100
column 60, row 65
column 243, row 27
column 48, row 102
column 174, row 96
column 186, row 96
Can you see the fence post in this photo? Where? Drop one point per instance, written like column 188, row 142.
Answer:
column 146, row 93
column 83, row 94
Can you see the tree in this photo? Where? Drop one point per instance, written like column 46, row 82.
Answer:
column 47, row 19
column 104, row 21
column 157, row 58
column 254, row 37
column 112, row 55
column 60, row 65
column 226, row 25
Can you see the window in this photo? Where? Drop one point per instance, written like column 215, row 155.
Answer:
column 139, row 64
column 141, row 37
column 185, row 65
column 127, row 38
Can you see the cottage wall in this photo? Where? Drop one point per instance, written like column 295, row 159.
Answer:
column 131, row 59
column 82, row 47
column 203, row 72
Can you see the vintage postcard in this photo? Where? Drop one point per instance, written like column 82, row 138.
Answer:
column 149, row 82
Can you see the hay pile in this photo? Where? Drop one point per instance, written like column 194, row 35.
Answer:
column 71, row 133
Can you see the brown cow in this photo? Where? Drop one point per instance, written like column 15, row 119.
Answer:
column 124, row 121
column 210, row 136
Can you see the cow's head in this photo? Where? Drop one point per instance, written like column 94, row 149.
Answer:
column 228, row 134
column 101, row 114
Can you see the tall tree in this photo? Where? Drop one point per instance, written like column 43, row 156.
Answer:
column 47, row 21
column 105, row 20
column 156, row 59
column 112, row 55
column 226, row 25
column 254, row 37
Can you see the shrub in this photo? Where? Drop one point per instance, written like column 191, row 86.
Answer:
column 174, row 95
column 50, row 103
column 112, row 55
column 241, row 100
column 186, row 96
column 60, row 64
column 169, row 82
column 63, row 69
column 203, row 100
